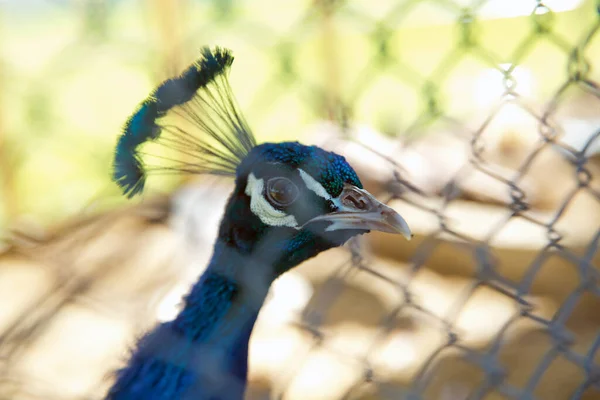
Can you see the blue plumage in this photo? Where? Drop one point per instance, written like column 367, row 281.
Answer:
column 208, row 301
column 180, row 90
column 290, row 202
column 202, row 353
column 331, row 169
column 204, row 79
column 153, row 379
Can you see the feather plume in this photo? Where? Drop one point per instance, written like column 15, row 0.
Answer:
column 194, row 118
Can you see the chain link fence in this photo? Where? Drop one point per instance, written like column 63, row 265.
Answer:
column 477, row 120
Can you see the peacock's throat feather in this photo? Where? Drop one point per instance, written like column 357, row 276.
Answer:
column 226, row 298
column 204, row 350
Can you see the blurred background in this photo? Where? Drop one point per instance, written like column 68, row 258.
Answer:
column 478, row 121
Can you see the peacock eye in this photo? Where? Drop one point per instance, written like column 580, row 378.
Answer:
column 281, row 192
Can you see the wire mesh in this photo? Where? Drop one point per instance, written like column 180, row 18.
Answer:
column 497, row 295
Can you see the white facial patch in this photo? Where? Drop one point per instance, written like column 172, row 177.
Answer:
column 260, row 207
column 313, row 185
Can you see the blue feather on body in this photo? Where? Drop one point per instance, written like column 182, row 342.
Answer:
column 206, row 304
column 197, row 355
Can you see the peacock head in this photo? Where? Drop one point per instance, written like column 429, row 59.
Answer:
column 290, row 201
column 293, row 201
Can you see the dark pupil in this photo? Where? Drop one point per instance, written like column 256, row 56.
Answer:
column 282, row 191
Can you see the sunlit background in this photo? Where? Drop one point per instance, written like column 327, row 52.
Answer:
column 477, row 119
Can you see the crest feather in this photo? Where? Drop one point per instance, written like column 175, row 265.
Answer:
column 208, row 133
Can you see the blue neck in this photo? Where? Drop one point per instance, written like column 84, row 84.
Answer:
column 203, row 352
column 223, row 305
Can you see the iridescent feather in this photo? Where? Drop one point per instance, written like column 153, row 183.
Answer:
column 210, row 131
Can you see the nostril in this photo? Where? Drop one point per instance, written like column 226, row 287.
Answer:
column 356, row 202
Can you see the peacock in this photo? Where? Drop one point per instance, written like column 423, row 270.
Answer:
column 290, row 202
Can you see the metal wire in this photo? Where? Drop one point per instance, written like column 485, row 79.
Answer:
column 559, row 348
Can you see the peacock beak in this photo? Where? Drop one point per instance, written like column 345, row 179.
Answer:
column 358, row 209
